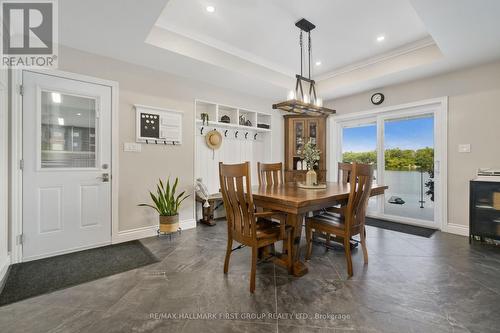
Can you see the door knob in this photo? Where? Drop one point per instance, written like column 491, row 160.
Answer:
column 104, row 177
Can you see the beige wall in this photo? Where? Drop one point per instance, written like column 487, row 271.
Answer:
column 139, row 172
column 473, row 117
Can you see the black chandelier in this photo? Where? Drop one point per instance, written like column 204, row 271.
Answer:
column 299, row 101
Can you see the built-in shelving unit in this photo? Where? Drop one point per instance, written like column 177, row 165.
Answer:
column 216, row 112
column 241, row 142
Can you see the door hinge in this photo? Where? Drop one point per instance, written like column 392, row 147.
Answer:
column 21, row 239
column 21, row 89
column 21, row 164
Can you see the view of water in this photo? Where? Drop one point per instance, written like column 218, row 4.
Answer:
column 407, row 185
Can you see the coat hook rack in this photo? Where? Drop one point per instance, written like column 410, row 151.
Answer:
column 201, row 131
column 225, row 133
column 236, row 134
column 255, row 136
column 246, row 135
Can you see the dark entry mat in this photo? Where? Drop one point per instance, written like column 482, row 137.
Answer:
column 42, row 276
column 400, row 227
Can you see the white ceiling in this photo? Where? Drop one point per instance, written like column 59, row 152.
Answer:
column 263, row 31
column 252, row 46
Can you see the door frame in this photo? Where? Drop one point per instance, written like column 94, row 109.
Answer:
column 17, row 152
column 437, row 106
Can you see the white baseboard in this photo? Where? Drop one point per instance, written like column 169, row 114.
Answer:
column 4, row 267
column 144, row 232
column 133, row 234
column 456, row 229
column 188, row 224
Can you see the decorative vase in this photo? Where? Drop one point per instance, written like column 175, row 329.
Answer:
column 169, row 223
column 311, row 177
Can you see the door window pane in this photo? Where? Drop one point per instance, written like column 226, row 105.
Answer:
column 409, row 167
column 68, row 135
column 359, row 144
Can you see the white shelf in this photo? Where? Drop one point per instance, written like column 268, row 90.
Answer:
column 235, row 126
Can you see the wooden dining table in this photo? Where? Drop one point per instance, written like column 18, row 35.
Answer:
column 297, row 202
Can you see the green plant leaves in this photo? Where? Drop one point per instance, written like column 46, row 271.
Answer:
column 166, row 203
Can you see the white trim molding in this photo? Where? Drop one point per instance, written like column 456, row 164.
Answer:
column 17, row 153
column 4, row 268
column 148, row 231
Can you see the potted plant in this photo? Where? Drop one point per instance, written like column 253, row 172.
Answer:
column 167, row 204
column 311, row 156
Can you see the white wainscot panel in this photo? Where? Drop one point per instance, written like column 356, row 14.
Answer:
column 49, row 209
column 89, row 205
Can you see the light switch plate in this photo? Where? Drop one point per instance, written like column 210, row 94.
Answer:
column 464, row 148
column 132, row 147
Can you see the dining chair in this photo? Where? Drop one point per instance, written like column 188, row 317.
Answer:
column 351, row 221
column 244, row 224
column 270, row 173
column 343, row 172
column 343, row 175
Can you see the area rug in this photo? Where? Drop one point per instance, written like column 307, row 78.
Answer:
column 42, row 276
column 400, row 227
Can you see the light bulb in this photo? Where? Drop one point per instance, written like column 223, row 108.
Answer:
column 319, row 102
column 307, row 99
column 291, row 95
column 56, row 97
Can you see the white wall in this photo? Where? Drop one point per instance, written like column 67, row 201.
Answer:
column 473, row 117
column 139, row 172
column 4, row 257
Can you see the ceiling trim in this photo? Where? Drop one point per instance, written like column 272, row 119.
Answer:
column 408, row 48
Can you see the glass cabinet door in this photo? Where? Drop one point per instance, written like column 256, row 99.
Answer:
column 298, row 135
column 312, row 131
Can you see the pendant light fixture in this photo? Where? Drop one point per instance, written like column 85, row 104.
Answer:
column 300, row 101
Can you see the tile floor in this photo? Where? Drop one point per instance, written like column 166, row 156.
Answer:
column 412, row 284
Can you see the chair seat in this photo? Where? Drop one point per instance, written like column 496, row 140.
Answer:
column 327, row 220
column 267, row 228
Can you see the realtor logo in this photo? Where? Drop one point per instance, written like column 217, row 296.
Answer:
column 29, row 33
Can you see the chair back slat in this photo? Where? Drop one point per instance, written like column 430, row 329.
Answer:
column 343, row 173
column 270, row 173
column 361, row 179
column 236, row 191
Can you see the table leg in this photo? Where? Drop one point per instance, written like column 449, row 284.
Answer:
column 299, row 268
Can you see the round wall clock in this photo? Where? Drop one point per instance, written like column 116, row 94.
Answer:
column 377, row 98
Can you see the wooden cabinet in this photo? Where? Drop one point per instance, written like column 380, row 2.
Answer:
column 300, row 129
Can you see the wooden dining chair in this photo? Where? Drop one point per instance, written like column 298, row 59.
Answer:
column 244, row 225
column 343, row 172
column 352, row 219
column 343, row 175
column 270, row 173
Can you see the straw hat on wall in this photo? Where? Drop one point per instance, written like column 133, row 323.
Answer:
column 213, row 139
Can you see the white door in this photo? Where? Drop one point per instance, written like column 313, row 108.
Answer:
column 67, row 165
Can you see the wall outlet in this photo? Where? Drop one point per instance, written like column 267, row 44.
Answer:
column 132, row 147
column 464, row 148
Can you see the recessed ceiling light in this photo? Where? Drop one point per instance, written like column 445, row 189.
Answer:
column 78, row 114
column 380, row 38
column 210, row 9
column 318, row 63
column 60, row 121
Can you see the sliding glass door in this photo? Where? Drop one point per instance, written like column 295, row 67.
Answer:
column 402, row 145
column 409, row 167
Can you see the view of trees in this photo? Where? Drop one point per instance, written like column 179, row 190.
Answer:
column 397, row 159
column 400, row 160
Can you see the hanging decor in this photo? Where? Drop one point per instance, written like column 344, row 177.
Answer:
column 299, row 100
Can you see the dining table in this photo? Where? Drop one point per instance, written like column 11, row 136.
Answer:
column 296, row 202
